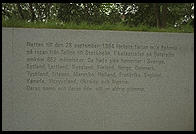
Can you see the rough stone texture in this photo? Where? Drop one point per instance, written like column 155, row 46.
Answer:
column 167, row 103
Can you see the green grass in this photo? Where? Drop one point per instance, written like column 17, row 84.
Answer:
column 84, row 25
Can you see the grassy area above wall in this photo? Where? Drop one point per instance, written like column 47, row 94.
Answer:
column 84, row 25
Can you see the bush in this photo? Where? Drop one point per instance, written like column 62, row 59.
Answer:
column 84, row 25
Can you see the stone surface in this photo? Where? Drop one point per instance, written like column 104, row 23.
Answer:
column 97, row 80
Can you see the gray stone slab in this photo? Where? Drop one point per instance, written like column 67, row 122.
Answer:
column 97, row 80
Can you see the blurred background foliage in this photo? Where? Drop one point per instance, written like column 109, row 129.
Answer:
column 159, row 15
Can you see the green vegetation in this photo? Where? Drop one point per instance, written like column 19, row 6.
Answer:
column 85, row 25
column 153, row 17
